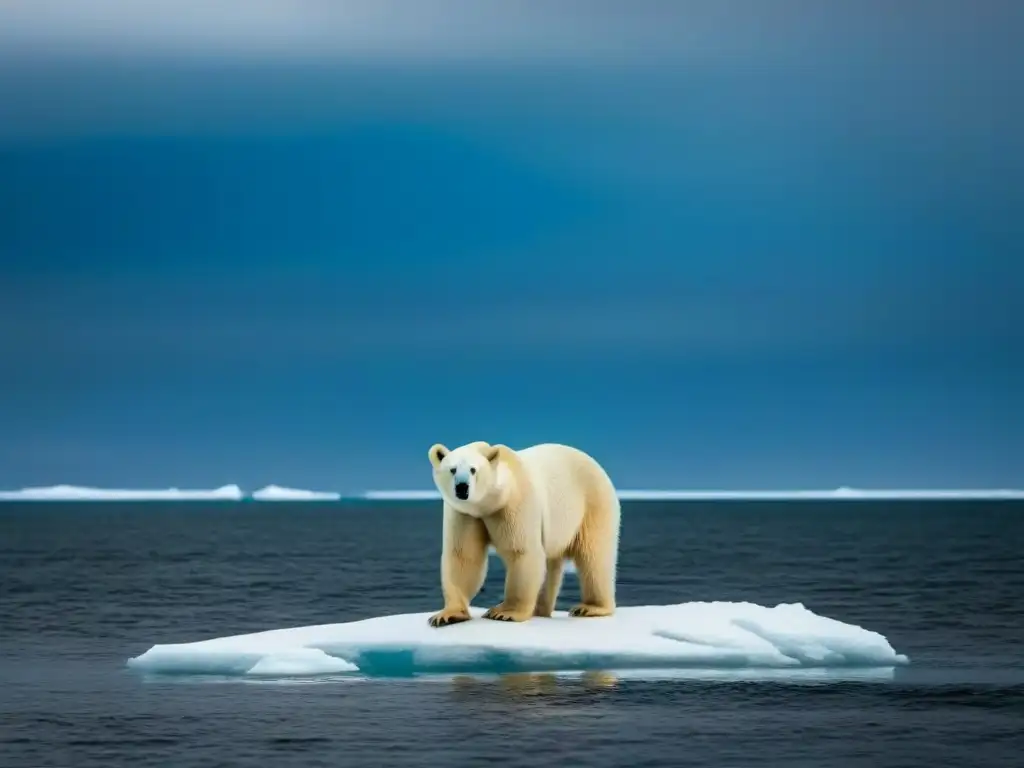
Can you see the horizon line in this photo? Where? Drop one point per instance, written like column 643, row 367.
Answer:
column 233, row 492
column 843, row 492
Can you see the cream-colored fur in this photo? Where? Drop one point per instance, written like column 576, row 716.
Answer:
column 537, row 506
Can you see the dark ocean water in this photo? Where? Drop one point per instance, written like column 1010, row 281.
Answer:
column 83, row 587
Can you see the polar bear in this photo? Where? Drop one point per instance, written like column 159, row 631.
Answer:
column 537, row 506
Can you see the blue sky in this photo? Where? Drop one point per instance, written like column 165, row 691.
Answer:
column 719, row 245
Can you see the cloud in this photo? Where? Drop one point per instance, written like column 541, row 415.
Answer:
column 576, row 30
column 391, row 28
column 188, row 66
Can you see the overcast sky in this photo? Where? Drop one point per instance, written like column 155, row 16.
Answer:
column 719, row 244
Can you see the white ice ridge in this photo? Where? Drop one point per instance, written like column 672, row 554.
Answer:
column 281, row 493
column 688, row 636
column 842, row 493
column 85, row 493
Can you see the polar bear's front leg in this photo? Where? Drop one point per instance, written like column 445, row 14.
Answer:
column 463, row 569
column 524, row 574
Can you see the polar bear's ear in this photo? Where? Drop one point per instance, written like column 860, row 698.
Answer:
column 493, row 452
column 437, row 453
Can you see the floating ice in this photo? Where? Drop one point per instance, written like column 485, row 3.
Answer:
column 281, row 493
column 689, row 636
column 290, row 662
column 85, row 493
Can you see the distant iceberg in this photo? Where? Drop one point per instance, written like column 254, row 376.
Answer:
column 281, row 493
column 714, row 639
column 86, row 493
column 842, row 493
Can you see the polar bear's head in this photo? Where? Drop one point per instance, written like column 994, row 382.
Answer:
column 466, row 476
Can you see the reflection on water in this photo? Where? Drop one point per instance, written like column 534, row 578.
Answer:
column 534, row 683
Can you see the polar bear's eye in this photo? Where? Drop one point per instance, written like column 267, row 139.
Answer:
column 453, row 470
column 472, row 470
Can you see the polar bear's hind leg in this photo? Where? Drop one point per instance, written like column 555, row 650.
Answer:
column 595, row 553
column 552, row 586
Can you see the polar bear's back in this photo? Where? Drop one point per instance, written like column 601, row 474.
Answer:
column 572, row 488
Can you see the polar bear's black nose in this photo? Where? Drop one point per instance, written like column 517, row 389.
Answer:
column 462, row 491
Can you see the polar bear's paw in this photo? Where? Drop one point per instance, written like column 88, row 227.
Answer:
column 501, row 613
column 584, row 610
column 447, row 617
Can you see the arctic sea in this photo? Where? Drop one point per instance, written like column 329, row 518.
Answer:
column 86, row 586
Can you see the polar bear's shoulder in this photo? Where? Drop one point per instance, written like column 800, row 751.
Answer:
column 554, row 455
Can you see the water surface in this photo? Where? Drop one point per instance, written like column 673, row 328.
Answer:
column 83, row 587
